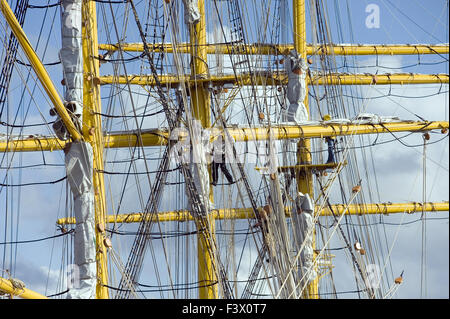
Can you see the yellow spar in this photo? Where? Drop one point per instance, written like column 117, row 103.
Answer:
column 14, row 287
column 247, row 213
column 158, row 137
column 267, row 49
column 279, row 78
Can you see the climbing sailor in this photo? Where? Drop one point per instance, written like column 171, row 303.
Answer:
column 218, row 161
column 331, row 143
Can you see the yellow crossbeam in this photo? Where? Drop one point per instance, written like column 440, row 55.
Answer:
column 158, row 137
column 269, row 49
column 280, row 78
column 15, row 288
column 39, row 69
column 247, row 213
column 318, row 167
column 299, row 167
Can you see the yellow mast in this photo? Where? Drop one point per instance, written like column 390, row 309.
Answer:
column 304, row 176
column 93, row 133
column 200, row 105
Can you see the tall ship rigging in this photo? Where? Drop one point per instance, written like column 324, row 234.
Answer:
column 224, row 149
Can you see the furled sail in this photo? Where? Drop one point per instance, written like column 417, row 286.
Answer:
column 191, row 12
column 296, row 89
column 198, row 164
column 71, row 56
column 303, row 224
column 79, row 167
column 79, row 157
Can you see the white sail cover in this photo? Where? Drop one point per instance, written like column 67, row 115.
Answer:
column 198, row 163
column 369, row 118
column 71, row 56
column 191, row 12
column 296, row 88
column 71, row 53
column 303, row 223
column 79, row 169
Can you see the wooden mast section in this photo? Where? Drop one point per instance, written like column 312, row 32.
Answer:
column 248, row 213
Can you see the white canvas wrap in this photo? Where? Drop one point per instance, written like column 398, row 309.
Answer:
column 369, row 118
column 71, row 56
column 79, row 169
column 191, row 12
column 198, row 163
column 303, row 224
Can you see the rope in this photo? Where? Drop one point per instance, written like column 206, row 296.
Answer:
column 37, row 240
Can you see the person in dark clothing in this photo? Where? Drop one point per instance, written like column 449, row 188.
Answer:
column 331, row 157
column 331, row 143
column 219, row 162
